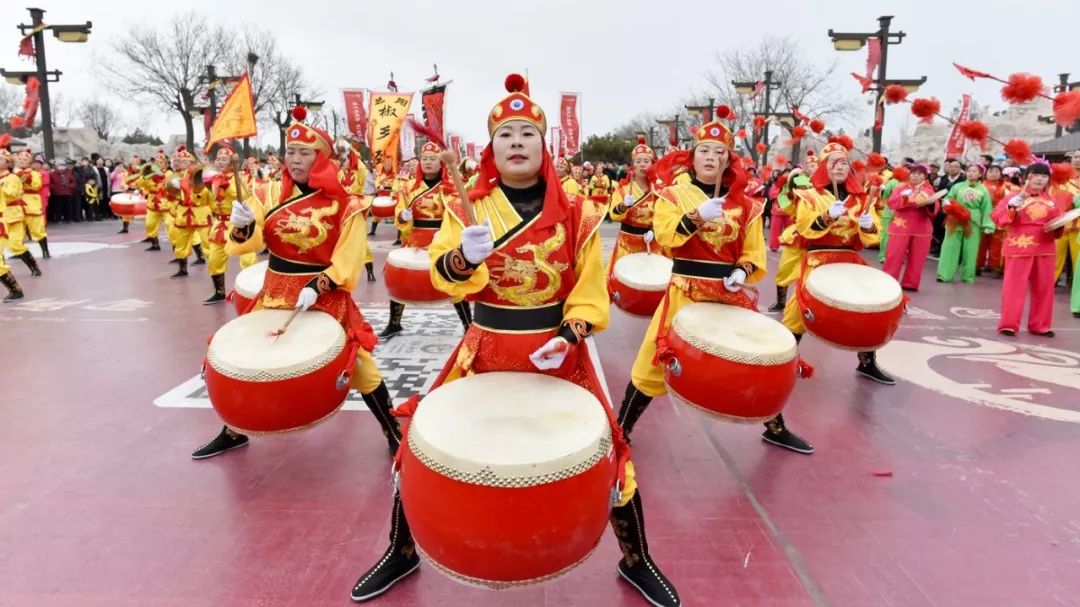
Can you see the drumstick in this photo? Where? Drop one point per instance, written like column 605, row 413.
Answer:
column 288, row 321
column 449, row 160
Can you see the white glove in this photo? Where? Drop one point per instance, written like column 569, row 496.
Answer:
column 735, row 280
column 476, row 243
column 838, row 208
column 406, row 215
column 241, row 215
column 628, row 201
column 866, row 221
column 551, row 355
column 306, row 299
column 649, row 236
column 1017, row 200
column 174, row 183
column 711, row 209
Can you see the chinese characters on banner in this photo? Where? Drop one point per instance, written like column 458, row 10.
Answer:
column 568, row 121
column 355, row 114
column 432, row 101
column 455, row 145
column 957, row 143
column 408, row 140
column 386, row 116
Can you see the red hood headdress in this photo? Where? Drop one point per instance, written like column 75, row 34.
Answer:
column 323, row 174
column 432, row 147
column 715, row 131
column 834, row 151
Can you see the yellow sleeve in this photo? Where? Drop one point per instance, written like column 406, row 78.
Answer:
column 35, row 183
column 810, row 222
column 404, row 199
column 589, row 300
column 11, row 188
column 666, row 219
column 447, row 239
column 618, row 211
column 347, row 260
column 753, row 249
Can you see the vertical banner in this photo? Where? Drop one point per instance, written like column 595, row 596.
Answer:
column 432, row 100
column 873, row 56
column 470, row 150
column 408, row 140
column 957, row 143
column 555, row 142
column 355, row 113
column 568, row 121
column 673, row 134
column 455, row 145
column 386, row 117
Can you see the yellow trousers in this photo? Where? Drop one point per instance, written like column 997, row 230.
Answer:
column 185, row 239
column 217, row 261
column 647, row 377
column 4, row 268
column 35, row 226
column 1068, row 244
column 153, row 222
column 790, row 262
column 16, row 234
column 171, row 229
column 793, row 316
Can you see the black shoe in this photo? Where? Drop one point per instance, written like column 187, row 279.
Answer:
column 181, row 272
column 1044, row 334
column 869, row 369
column 28, row 258
column 124, row 230
column 219, row 290
column 44, row 243
column 393, row 327
column 637, row 566
column 398, row 562
column 1007, row 332
column 154, row 245
column 390, row 331
column 370, row 267
column 651, row 583
column 940, row 279
column 226, row 440
column 199, row 261
column 777, row 433
column 14, row 290
column 214, row 299
column 781, row 300
column 397, row 243
column 1076, row 314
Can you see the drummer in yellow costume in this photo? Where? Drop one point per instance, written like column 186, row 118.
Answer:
column 223, row 191
column 192, row 210
column 792, row 247
column 534, row 268
column 417, row 216
column 15, row 215
column 10, row 190
column 32, row 210
column 567, row 181
column 718, row 244
column 632, row 205
column 158, row 202
column 834, row 221
column 353, row 176
column 315, row 238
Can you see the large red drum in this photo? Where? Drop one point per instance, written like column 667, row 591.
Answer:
column 639, row 282
column 247, row 284
column 260, row 384
column 408, row 277
column 730, row 362
column 127, row 204
column 851, row 306
column 508, row 478
column 383, row 207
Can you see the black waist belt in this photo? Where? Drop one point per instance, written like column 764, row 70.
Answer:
column 519, row 319
column 702, row 269
column 635, row 230
column 286, row 266
column 427, row 224
column 822, row 247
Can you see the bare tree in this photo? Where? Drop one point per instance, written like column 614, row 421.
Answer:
column 284, row 83
column 165, row 65
column 62, row 112
column 11, row 100
column 803, row 85
column 100, row 116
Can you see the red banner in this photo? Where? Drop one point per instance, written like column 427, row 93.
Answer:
column 432, row 102
column 957, row 143
column 455, row 145
column 568, row 120
column 873, row 56
column 470, row 150
column 355, row 114
column 673, row 135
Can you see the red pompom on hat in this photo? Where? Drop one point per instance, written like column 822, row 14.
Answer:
column 299, row 113
column 724, row 112
column 1022, row 88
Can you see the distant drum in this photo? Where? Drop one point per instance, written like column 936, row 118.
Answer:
column 851, row 306
column 127, row 204
column 383, row 207
column 639, row 282
column 247, row 285
column 408, row 277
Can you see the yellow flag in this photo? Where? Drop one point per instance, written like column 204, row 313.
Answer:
column 386, row 117
column 236, row 118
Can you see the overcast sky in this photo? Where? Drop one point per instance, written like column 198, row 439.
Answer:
column 623, row 57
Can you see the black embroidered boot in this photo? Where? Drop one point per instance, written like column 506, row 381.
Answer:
column 200, row 259
column 219, row 290
column 464, row 313
column 633, row 405
column 370, row 267
column 44, row 242
column 399, row 560
column 14, row 290
column 124, row 227
column 776, row 433
column 226, row 440
column 181, row 272
column 155, row 244
column 394, row 326
column 636, row 566
column 378, row 401
column 781, row 300
column 28, row 258
column 869, row 369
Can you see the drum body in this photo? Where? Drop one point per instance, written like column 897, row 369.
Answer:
column 260, row 384
column 508, row 477
column 247, row 285
column 851, row 306
column 731, row 362
column 127, row 204
column 408, row 277
column 383, row 207
column 639, row 282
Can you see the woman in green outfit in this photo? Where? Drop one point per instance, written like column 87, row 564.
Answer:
column 961, row 244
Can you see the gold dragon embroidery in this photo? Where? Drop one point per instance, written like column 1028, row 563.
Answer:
column 295, row 228
column 527, row 273
column 723, row 230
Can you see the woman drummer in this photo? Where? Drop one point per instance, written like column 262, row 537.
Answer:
column 314, row 264
column 632, row 206
column 527, row 227
column 718, row 242
column 418, row 215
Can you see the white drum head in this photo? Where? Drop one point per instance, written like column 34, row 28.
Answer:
column 1063, row 220
column 244, row 348
column 734, row 333
column 510, row 429
column 250, row 280
column 644, row 271
column 409, row 258
column 854, row 287
column 127, row 198
column 383, row 201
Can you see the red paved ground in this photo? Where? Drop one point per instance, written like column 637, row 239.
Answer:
column 100, row 504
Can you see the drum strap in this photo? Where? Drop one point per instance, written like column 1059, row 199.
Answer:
column 287, row 266
column 701, row 269
column 633, row 230
column 519, row 319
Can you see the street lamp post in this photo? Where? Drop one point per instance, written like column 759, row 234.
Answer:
column 63, row 33
column 667, row 124
column 848, row 41
column 706, row 110
column 748, row 88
